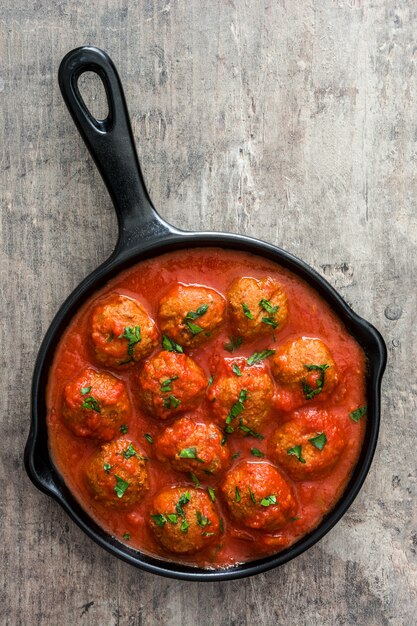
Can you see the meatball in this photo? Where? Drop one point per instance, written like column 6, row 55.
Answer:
column 95, row 405
column 305, row 371
column 241, row 396
column 184, row 519
column 191, row 315
column 193, row 447
column 257, row 307
column 308, row 446
column 171, row 383
column 122, row 332
column 117, row 476
column 258, row 496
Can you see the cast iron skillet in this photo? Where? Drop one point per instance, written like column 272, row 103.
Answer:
column 144, row 234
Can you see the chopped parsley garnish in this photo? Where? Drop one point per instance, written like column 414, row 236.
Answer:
column 236, row 454
column 268, row 500
column 267, row 306
column 189, row 453
column 297, row 452
column 260, row 356
column 233, row 344
column 309, row 391
column 123, row 429
column 133, row 336
column 358, row 413
column 173, row 518
column 236, row 370
column 294, row 519
column 237, row 494
column 107, row 467
column 210, row 382
column 121, row 486
column 237, row 408
column 194, row 328
column 195, row 479
column 171, row 345
column 193, row 315
column 252, row 495
column 130, row 451
column 159, row 519
column 148, row 437
column 126, row 536
column 91, row 404
column 270, row 322
column 248, row 431
column 202, row 520
column 85, row 390
column 184, row 526
column 171, row 402
column 257, row 452
column 319, row 441
column 229, row 429
column 166, row 384
column 247, row 312
column 184, row 499
column 211, row 494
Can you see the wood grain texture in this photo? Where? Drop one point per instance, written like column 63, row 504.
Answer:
column 291, row 120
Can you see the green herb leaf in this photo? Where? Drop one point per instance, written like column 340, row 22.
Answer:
column 107, row 467
column 267, row 306
column 238, row 407
column 257, row 452
column 189, row 453
column 247, row 312
column 358, row 413
column 294, row 519
column 85, row 390
column 148, row 437
column 121, row 486
column 126, row 536
column 194, row 328
column 236, row 370
column 248, row 431
column 166, row 384
column 210, row 382
column 236, row 454
column 193, row 315
column 319, row 441
column 170, row 345
column 130, row 451
column 173, row 518
column 297, row 452
column 233, row 344
column 252, row 495
column 309, row 391
column 237, row 494
column 259, row 356
column 202, row 520
column 133, row 336
column 195, row 479
column 184, row 526
column 270, row 322
column 211, row 493
column 184, row 499
column 124, row 429
column 171, row 402
column 159, row 519
column 91, row 404
column 268, row 500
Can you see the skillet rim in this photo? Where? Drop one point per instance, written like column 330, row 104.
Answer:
column 44, row 475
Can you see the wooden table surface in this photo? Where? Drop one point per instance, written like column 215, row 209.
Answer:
column 290, row 120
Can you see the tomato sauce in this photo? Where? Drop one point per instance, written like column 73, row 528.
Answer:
column 309, row 315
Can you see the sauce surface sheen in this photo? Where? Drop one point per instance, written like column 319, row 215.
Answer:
column 308, row 316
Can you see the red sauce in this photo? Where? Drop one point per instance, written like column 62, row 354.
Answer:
column 309, row 315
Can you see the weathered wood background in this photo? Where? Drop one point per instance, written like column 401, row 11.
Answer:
column 291, row 120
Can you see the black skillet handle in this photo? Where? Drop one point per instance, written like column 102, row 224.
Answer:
column 111, row 144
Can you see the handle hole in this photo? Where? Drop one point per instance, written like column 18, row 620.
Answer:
column 94, row 95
